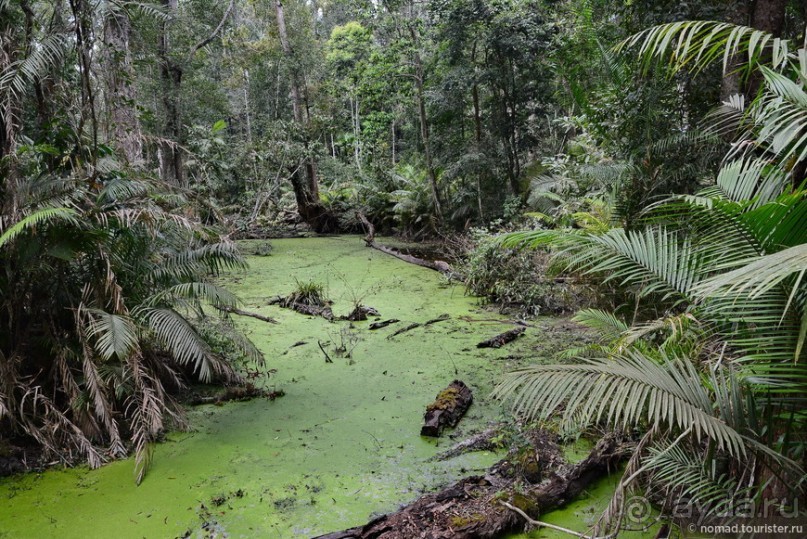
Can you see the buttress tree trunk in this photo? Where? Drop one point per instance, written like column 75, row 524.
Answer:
column 304, row 177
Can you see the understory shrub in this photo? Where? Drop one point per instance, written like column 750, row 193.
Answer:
column 517, row 279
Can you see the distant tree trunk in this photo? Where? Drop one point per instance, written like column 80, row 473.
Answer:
column 477, row 115
column 168, row 148
column 768, row 16
column 123, row 124
column 424, row 125
column 9, row 107
column 475, row 100
column 730, row 84
column 306, row 188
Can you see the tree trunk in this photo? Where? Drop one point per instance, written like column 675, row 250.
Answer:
column 730, row 84
column 169, row 152
column 9, row 107
column 123, row 124
column 768, row 16
column 306, row 188
column 424, row 125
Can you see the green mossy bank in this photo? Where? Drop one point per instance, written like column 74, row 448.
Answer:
column 344, row 441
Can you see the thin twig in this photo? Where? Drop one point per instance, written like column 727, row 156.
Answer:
column 327, row 357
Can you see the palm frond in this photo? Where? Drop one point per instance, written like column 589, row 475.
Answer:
column 685, row 472
column 608, row 325
column 181, row 339
column 622, row 391
column 47, row 53
column 758, row 276
column 114, row 335
column 199, row 291
column 751, row 179
column 694, row 45
column 38, row 218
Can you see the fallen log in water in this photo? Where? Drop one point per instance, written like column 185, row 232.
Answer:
column 383, row 323
column 503, row 338
column 233, row 310
column 369, row 239
column 472, row 508
column 440, row 318
column 447, row 409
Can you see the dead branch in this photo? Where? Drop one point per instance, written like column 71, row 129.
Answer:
column 233, row 310
column 503, row 338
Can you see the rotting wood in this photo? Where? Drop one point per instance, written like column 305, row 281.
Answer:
column 383, row 323
column 470, row 508
column 303, row 308
column 233, row 310
column 404, row 330
column 501, row 339
column 442, row 318
column 311, row 310
column 414, row 325
column 369, row 240
column 447, row 409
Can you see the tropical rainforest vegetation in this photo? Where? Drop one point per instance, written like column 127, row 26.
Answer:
column 642, row 163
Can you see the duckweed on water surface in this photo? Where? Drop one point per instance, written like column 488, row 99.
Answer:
column 342, row 444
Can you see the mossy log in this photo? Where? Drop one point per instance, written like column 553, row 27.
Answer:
column 447, row 409
column 475, row 506
column 503, row 338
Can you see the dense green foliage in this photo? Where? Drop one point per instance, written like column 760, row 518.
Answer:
column 711, row 361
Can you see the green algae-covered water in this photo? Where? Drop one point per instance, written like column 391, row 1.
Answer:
column 342, row 444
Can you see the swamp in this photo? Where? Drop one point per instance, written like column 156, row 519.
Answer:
column 397, row 269
column 341, row 444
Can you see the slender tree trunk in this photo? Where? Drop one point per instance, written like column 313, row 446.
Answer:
column 82, row 28
column 730, row 84
column 477, row 115
column 9, row 107
column 169, row 152
column 392, row 129
column 424, row 125
column 123, row 124
column 306, row 188
column 247, row 115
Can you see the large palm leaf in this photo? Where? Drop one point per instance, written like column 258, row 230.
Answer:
column 626, row 391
